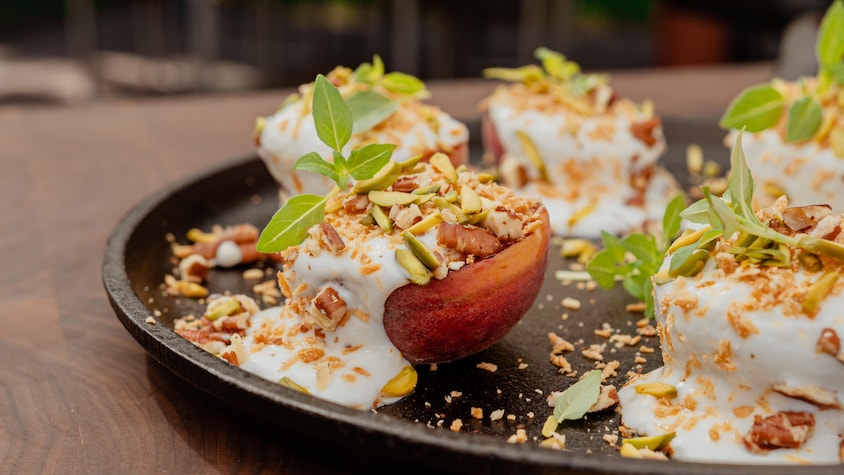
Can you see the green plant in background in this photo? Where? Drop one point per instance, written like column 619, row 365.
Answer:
column 760, row 107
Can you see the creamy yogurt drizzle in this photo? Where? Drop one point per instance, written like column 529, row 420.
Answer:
column 714, row 406
column 807, row 172
column 290, row 133
column 367, row 369
column 603, row 166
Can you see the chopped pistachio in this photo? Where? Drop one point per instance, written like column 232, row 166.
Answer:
column 230, row 307
column 383, row 178
column 656, row 389
column 694, row 159
column 711, row 169
column 443, row 204
column 817, row 291
column 384, row 222
column 426, row 190
column 289, row 383
column 410, row 163
column 417, row 272
column 773, row 189
column 402, row 384
column 654, row 442
column 390, row 198
column 470, row 201
column 485, row 178
column 197, row 235
column 629, row 451
column 478, row 218
column 442, row 164
column 811, row 262
column 532, row 153
column 419, row 249
column 427, row 223
column 581, row 213
column 451, row 196
column 550, row 426
column 687, row 238
column 692, row 265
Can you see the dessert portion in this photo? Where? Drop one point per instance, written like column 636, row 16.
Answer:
column 795, row 139
column 387, row 109
column 400, row 264
column 567, row 137
column 748, row 308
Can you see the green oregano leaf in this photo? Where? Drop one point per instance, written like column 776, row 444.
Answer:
column 289, row 225
column 366, row 161
column 573, row 403
column 332, row 117
column 312, row 162
column 740, row 181
column 830, row 47
column 671, row 220
column 804, row 118
column 369, row 109
column 755, row 109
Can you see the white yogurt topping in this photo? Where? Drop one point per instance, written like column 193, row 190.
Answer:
column 356, row 377
column 591, row 162
column 724, row 350
column 289, row 134
column 807, row 172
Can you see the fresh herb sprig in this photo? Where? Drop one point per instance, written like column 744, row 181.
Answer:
column 556, row 69
column 732, row 215
column 636, row 257
column 334, row 125
column 760, row 107
column 369, row 107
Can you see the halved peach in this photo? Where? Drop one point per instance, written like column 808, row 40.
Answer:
column 472, row 308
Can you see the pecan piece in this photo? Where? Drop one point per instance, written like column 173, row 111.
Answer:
column 829, row 343
column 356, row 204
column 607, row 398
column 644, row 131
column 405, row 183
column 799, row 218
column 327, row 308
column 784, row 429
column 469, row 240
column 327, row 237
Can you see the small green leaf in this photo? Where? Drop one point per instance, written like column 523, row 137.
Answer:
column 672, row 220
column 835, row 72
column 403, row 84
column 312, row 162
column 804, row 118
column 680, row 256
column 573, row 403
column 603, row 267
column 697, row 212
column 755, row 109
column 527, row 73
column 643, row 246
column 332, row 117
column 740, row 181
column 369, row 109
column 367, row 160
column 370, row 73
column 830, row 47
column 289, row 225
column 634, row 284
column 649, row 298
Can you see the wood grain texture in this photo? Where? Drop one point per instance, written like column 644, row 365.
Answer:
column 77, row 393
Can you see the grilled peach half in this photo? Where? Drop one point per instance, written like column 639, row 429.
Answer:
column 472, row 308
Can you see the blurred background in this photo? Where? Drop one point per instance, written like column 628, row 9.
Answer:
column 76, row 51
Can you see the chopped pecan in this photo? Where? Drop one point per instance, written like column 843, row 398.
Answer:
column 406, row 183
column 356, row 204
column 504, row 223
column 823, row 398
column 327, row 308
column 829, row 343
column 327, row 237
column 784, row 429
column 607, row 398
column 469, row 240
column 799, row 218
column 644, row 131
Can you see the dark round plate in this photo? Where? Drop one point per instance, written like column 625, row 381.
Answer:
column 415, row 432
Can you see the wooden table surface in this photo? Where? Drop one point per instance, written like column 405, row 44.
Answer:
column 77, row 393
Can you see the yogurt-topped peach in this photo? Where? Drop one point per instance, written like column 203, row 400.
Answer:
column 422, row 263
column 567, row 137
column 389, row 110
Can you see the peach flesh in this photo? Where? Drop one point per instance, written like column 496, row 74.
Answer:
column 472, row 308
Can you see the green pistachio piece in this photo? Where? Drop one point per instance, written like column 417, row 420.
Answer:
column 533, row 155
column 426, row 190
column 823, row 247
column 478, row 218
column 442, row 204
column 656, row 389
column 381, row 218
column 811, row 262
column 654, row 442
column 382, row 179
column 410, row 163
column 427, row 223
column 367, row 220
column 442, row 164
column 470, row 201
column 422, row 199
column 692, row 265
column 419, row 249
column 230, row 307
column 401, row 384
column 818, row 291
column 417, row 272
column 391, row 198
column 289, row 383
column 485, row 178
column 451, row 196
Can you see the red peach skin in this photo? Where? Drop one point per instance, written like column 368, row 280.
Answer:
column 472, row 308
column 489, row 138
